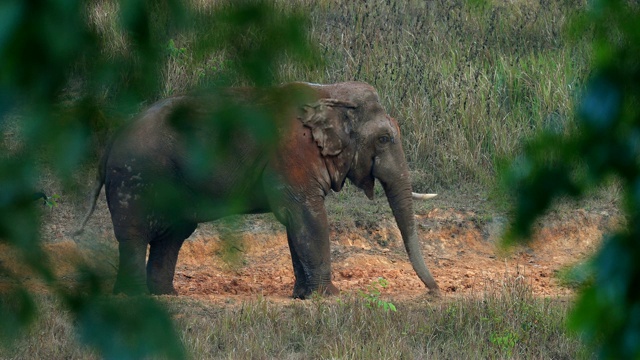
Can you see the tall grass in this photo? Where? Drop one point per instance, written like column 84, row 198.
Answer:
column 468, row 81
column 504, row 322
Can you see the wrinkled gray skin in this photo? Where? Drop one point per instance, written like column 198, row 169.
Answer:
column 341, row 133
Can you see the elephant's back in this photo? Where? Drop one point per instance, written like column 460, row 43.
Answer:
column 150, row 133
column 145, row 147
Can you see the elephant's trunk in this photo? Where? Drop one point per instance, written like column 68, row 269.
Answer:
column 400, row 200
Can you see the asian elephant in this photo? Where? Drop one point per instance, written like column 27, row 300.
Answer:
column 328, row 133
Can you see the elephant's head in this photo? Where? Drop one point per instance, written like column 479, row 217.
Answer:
column 361, row 142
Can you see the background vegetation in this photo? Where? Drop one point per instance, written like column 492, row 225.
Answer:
column 468, row 82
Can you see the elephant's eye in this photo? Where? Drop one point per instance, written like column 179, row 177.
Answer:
column 384, row 139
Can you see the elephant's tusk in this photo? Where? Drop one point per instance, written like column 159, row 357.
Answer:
column 419, row 196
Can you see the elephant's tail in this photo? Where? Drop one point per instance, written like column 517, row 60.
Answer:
column 92, row 199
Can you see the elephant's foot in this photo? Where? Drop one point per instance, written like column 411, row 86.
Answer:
column 305, row 292
column 435, row 293
column 129, row 288
column 171, row 291
column 162, row 288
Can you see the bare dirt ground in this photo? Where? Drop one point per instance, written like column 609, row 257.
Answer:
column 458, row 241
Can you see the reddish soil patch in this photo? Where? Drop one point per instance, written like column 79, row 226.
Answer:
column 460, row 252
column 459, row 247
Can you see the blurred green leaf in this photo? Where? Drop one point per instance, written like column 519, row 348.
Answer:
column 606, row 145
column 17, row 310
column 128, row 328
column 258, row 36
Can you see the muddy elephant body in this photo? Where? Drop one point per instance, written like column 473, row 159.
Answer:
column 159, row 186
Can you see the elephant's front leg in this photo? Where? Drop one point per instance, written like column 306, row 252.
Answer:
column 308, row 236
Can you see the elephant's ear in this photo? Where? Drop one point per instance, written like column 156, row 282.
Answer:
column 329, row 122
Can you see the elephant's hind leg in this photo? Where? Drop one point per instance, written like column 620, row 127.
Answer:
column 163, row 256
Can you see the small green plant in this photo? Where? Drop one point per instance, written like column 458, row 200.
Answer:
column 452, row 311
column 51, row 201
column 372, row 298
column 505, row 342
column 175, row 51
column 220, row 66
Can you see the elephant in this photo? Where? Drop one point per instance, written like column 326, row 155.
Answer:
column 325, row 135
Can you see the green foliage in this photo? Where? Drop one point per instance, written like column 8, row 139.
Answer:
column 257, row 38
column 505, row 342
column 372, row 298
column 72, row 70
column 174, row 51
column 52, row 201
column 17, row 309
column 605, row 147
column 127, row 328
column 576, row 276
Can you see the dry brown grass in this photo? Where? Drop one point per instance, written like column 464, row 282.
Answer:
column 503, row 323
